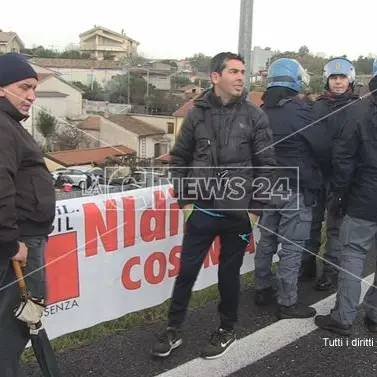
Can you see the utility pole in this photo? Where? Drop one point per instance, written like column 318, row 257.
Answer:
column 245, row 36
column 126, row 67
column 92, row 79
column 148, row 101
column 148, row 82
column 129, row 87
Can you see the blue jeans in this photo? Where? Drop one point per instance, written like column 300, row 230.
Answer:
column 34, row 269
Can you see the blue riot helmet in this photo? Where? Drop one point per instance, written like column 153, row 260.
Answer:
column 339, row 66
column 287, row 73
column 375, row 67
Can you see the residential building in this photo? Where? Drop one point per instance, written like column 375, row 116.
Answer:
column 200, row 77
column 259, row 78
column 260, row 58
column 51, row 87
column 50, row 99
column 184, row 67
column 163, row 122
column 148, row 141
column 56, row 97
column 10, row 42
column 102, row 43
column 155, row 64
column 181, row 113
column 87, row 71
column 102, row 107
column 88, row 156
column 159, row 78
column 91, row 126
column 190, row 91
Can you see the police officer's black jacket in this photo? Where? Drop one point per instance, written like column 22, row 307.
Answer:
column 330, row 113
column 27, row 196
column 355, row 161
column 229, row 141
column 298, row 144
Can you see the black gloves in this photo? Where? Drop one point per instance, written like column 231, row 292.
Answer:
column 337, row 205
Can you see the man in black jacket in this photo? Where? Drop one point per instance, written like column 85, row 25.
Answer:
column 354, row 188
column 27, row 205
column 331, row 110
column 219, row 152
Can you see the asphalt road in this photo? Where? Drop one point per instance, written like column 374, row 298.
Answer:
column 127, row 353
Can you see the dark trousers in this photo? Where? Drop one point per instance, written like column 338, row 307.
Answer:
column 333, row 247
column 15, row 334
column 318, row 211
column 201, row 230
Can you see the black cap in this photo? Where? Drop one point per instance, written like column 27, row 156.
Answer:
column 14, row 67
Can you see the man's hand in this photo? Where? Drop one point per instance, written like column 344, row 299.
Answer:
column 21, row 256
column 253, row 218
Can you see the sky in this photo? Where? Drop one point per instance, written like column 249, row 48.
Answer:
column 178, row 29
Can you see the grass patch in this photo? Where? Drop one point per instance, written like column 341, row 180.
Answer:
column 131, row 320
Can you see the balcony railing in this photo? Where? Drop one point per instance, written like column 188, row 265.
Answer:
column 91, row 47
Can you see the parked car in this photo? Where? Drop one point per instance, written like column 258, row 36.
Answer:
column 78, row 177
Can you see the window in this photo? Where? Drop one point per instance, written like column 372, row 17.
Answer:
column 160, row 149
column 170, row 127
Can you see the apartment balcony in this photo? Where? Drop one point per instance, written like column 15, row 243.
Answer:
column 107, row 48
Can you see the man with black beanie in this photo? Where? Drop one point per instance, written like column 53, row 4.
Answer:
column 27, row 206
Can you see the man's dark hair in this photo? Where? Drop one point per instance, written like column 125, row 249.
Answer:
column 218, row 62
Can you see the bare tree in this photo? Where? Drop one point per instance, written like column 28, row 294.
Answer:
column 70, row 137
column 132, row 58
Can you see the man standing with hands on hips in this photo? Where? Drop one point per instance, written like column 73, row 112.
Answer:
column 221, row 147
column 27, row 206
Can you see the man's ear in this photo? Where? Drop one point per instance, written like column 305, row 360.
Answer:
column 215, row 76
column 2, row 92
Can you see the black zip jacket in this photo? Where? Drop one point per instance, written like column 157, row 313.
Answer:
column 27, row 196
column 355, row 161
column 330, row 113
column 298, row 144
column 220, row 142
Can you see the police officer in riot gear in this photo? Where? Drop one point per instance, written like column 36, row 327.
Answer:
column 330, row 111
column 288, row 220
column 354, row 193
